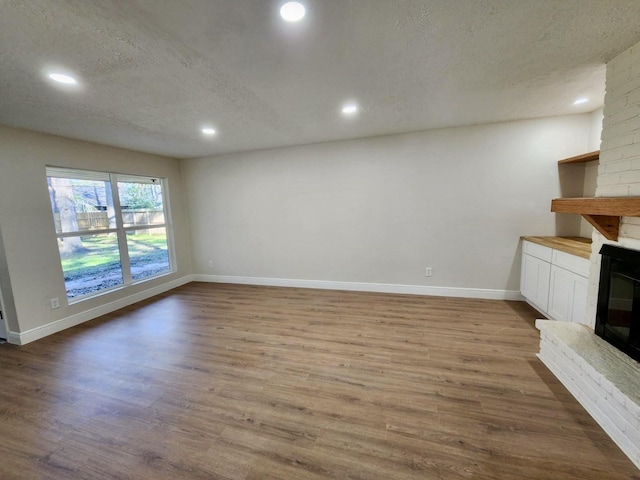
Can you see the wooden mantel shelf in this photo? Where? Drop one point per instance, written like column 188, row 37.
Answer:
column 584, row 158
column 602, row 212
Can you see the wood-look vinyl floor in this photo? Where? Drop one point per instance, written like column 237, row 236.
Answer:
column 239, row 382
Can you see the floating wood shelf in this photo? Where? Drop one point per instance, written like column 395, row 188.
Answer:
column 602, row 212
column 586, row 157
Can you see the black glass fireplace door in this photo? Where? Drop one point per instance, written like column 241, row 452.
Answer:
column 618, row 314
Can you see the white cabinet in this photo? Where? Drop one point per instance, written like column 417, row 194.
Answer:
column 579, row 306
column 554, row 282
column 567, row 295
column 534, row 283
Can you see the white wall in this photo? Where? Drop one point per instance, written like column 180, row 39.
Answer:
column 380, row 210
column 595, row 129
column 591, row 168
column 30, row 268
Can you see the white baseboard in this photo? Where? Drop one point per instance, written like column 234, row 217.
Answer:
column 22, row 338
column 365, row 287
column 13, row 338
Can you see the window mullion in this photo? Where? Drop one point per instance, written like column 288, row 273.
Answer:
column 125, row 261
column 87, row 232
column 144, row 226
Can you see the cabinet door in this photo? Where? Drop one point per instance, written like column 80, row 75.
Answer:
column 567, row 295
column 561, row 294
column 534, row 282
column 579, row 309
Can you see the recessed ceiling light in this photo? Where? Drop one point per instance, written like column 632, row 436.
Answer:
column 292, row 11
column 350, row 109
column 63, row 78
column 581, row 100
column 209, row 131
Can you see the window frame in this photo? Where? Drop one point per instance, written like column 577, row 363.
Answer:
column 119, row 230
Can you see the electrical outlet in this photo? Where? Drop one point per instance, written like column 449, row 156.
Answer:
column 210, row 263
column 428, row 272
column 55, row 303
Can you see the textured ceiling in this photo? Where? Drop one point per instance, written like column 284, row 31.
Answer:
column 152, row 72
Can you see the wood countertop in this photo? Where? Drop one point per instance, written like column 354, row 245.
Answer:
column 574, row 245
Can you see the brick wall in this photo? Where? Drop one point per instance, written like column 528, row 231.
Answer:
column 619, row 170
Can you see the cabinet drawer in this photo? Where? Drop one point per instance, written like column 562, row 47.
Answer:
column 573, row 263
column 538, row 251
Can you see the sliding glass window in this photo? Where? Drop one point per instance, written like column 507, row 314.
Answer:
column 111, row 229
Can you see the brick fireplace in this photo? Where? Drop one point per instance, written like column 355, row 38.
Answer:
column 603, row 379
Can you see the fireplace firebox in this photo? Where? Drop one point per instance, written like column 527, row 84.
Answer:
column 618, row 311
